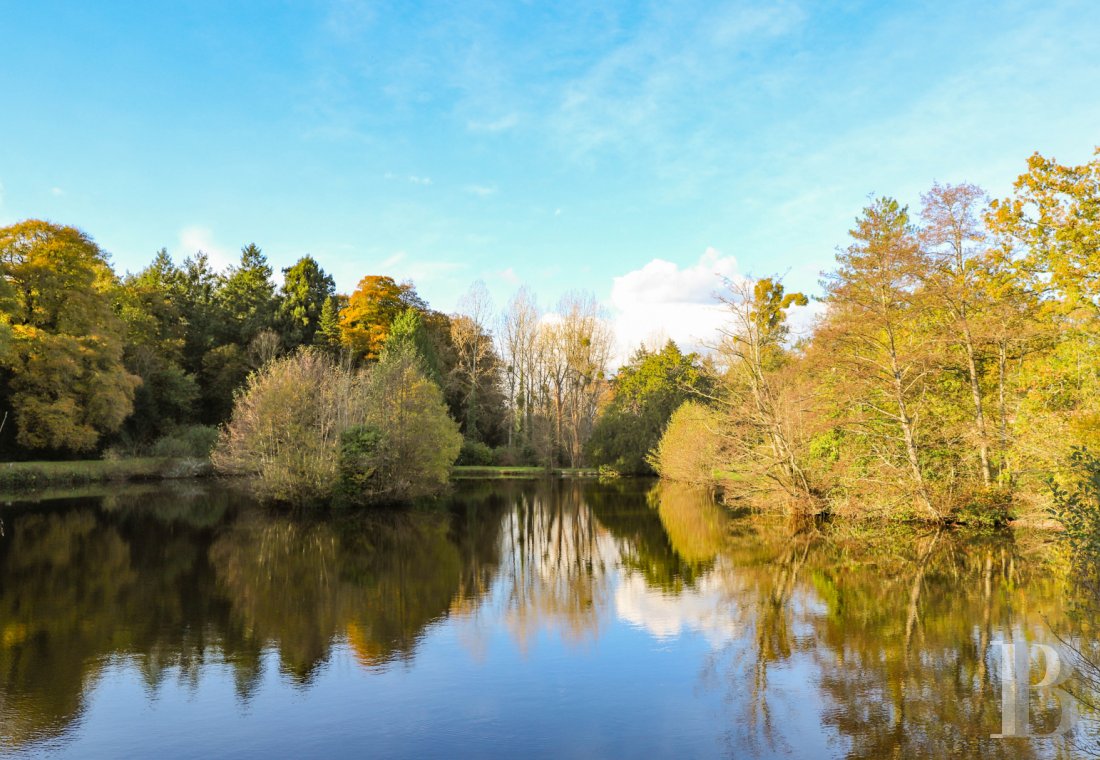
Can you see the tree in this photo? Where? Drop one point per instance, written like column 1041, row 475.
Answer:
column 417, row 442
column 247, row 297
column 954, row 275
column 874, row 326
column 408, row 336
column 328, row 333
column 754, row 346
column 519, row 335
column 692, row 445
column 645, row 393
column 1055, row 216
column 474, row 353
column 365, row 321
column 66, row 384
column 305, row 291
column 156, row 337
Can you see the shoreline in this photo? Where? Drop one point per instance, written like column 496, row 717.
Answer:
column 27, row 477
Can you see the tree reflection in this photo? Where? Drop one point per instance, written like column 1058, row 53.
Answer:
column 882, row 638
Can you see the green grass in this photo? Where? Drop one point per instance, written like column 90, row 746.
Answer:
column 17, row 476
column 521, row 472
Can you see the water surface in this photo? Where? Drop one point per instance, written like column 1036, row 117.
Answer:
column 535, row 619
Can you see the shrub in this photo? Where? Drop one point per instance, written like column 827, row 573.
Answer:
column 187, row 442
column 987, row 508
column 476, row 454
column 306, row 428
column 361, row 451
column 286, row 426
column 690, row 449
column 1076, row 504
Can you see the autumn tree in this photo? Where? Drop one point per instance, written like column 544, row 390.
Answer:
column 874, row 326
column 1054, row 215
column 65, row 381
column 954, row 277
column 518, row 338
column 754, row 346
column 365, row 321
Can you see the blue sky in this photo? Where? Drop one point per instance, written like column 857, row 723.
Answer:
column 630, row 149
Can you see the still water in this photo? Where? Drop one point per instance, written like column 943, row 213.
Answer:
column 533, row 619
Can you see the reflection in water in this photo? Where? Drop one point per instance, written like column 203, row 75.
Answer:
column 874, row 643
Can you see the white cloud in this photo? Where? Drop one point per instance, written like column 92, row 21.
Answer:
column 195, row 238
column 482, row 191
column 420, row 180
column 663, row 299
column 706, row 609
column 509, row 276
column 57, row 191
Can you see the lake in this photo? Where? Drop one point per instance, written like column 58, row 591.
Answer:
column 513, row 618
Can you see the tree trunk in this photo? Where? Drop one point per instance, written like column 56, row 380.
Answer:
column 979, row 412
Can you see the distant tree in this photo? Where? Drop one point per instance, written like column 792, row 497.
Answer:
column 365, row 321
column 409, row 336
column 305, row 290
column 645, row 393
column 247, row 297
column 328, row 333
column 66, row 383
column 156, row 338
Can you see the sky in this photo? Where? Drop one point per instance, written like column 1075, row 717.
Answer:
column 638, row 151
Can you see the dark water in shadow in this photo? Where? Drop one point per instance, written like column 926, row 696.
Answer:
column 513, row 619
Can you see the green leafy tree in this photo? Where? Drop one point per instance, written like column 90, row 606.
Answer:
column 328, row 325
column 305, row 291
column 647, row 390
column 247, row 297
column 156, row 337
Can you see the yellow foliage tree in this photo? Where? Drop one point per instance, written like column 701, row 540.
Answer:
column 365, row 321
column 67, row 382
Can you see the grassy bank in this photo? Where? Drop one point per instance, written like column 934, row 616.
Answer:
column 21, row 476
column 521, row 472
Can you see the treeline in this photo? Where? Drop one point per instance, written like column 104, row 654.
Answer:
column 92, row 362
column 955, row 366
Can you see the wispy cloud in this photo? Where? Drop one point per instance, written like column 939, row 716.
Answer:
column 502, row 124
column 482, row 191
column 414, row 179
column 56, row 191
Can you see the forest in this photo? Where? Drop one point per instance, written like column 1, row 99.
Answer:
column 951, row 372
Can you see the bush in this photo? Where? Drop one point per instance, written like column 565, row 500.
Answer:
column 307, row 428
column 987, row 508
column 476, row 454
column 361, row 451
column 690, row 450
column 1076, row 504
column 188, row 442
